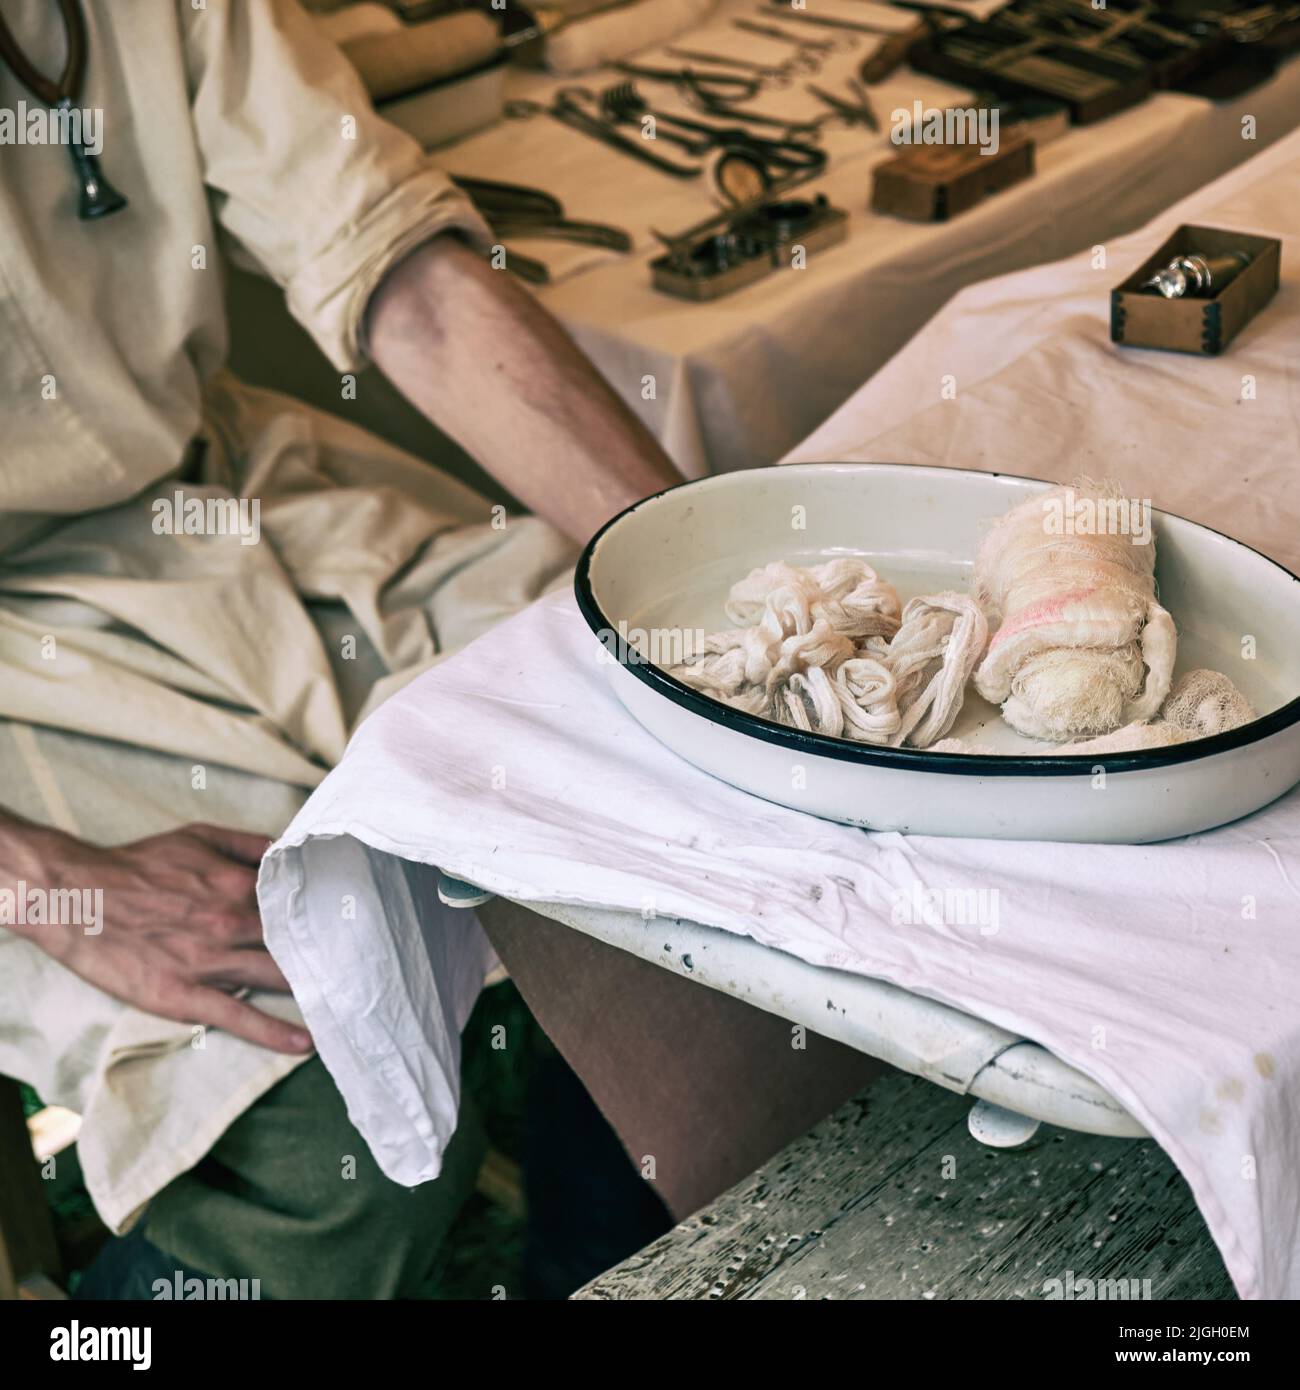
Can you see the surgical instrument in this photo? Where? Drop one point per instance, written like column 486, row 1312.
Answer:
column 814, row 51
column 492, row 197
column 859, row 112
column 98, row 197
column 624, row 102
column 568, row 110
column 563, row 229
column 718, row 87
column 892, row 52
column 856, row 26
column 778, row 74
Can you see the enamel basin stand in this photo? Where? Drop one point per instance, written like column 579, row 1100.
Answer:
column 1016, row 1084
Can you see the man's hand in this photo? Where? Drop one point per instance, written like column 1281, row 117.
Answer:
column 180, row 925
column 490, row 367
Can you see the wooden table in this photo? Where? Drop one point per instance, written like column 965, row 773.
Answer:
column 890, row 1198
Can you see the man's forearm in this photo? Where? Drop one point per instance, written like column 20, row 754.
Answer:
column 28, row 855
column 489, row 366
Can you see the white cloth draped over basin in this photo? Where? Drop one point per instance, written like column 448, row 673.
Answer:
column 1168, row 973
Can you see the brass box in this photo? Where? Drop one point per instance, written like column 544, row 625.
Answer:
column 931, row 183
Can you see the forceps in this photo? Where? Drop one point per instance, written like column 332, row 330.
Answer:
column 788, row 127
column 715, row 94
column 706, row 88
column 859, row 112
column 811, row 52
column 569, row 110
column 786, row 154
column 778, row 74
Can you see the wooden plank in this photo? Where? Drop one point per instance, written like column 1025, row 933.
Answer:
column 27, row 1244
column 890, row 1198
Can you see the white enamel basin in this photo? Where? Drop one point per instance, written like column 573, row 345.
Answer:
column 665, row 565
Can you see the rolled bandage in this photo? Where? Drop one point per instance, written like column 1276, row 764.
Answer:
column 1082, row 647
column 1202, row 703
column 393, row 62
column 608, row 35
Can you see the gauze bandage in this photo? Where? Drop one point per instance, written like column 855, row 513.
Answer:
column 931, row 658
column 1201, row 703
column 1206, row 702
column 798, row 653
column 1082, row 647
column 823, row 650
column 1083, row 656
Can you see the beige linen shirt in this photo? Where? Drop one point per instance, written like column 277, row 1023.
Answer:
column 233, row 119
column 148, row 680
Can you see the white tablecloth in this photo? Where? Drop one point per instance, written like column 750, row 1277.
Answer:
column 1041, row 390
column 739, row 382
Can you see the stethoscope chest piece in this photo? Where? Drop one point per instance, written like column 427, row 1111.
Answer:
column 98, row 198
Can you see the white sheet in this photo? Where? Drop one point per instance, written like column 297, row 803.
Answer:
column 1041, row 390
column 1169, row 973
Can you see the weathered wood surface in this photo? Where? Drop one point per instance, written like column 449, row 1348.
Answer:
column 890, row 1197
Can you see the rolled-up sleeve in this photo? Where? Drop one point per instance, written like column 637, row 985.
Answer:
column 318, row 191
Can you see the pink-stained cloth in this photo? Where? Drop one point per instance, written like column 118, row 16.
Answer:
column 1170, row 973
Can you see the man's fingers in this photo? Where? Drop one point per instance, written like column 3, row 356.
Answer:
column 217, row 1010
column 235, row 926
column 234, row 844
column 245, row 969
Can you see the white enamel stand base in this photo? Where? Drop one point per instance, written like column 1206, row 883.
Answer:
column 455, row 892
column 998, row 1127
column 1017, row 1084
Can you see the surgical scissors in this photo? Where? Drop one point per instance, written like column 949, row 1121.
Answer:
column 704, row 87
column 778, row 74
column 811, row 52
column 787, row 154
column 705, row 92
column 712, row 107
